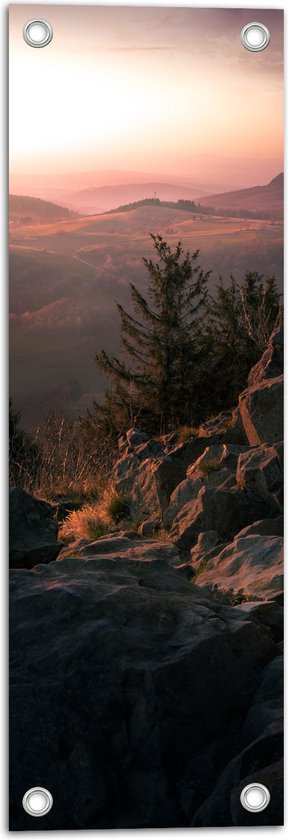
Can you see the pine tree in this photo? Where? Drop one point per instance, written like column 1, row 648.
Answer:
column 155, row 384
column 260, row 309
column 240, row 320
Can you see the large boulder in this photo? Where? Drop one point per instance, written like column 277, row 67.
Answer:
column 208, row 545
column 184, row 493
column 218, row 509
column 32, row 531
column 133, row 473
column 259, row 469
column 260, row 760
column 253, row 563
column 268, row 612
column 122, row 675
column 261, row 408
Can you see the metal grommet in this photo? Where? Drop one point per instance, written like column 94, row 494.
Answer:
column 37, row 32
column 255, row 36
column 37, row 801
column 255, row 797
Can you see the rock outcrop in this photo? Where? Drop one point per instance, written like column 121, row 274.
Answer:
column 147, row 474
column 261, row 405
column 261, row 408
column 32, row 531
column 130, row 687
column 272, row 362
column 146, row 666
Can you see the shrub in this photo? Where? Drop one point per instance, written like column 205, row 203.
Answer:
column 116, row 506
column 72, row 461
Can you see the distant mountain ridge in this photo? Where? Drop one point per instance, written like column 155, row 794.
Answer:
column 267, row 199
column 105, row 198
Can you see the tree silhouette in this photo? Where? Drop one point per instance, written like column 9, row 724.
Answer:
column 155, row 383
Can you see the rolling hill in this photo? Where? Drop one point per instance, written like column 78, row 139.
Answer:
column 267, row 201
column 24, row 209
column 104, row 198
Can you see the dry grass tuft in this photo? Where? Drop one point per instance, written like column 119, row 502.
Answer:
column 186, row 432
column 92, row 521
column 210, row 466
column 82, row 524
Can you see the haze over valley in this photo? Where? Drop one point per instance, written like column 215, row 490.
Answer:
column 67, row 270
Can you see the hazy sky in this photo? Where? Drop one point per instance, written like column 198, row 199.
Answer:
column 149, row 89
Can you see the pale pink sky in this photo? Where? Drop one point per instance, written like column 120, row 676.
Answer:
column 150, row 89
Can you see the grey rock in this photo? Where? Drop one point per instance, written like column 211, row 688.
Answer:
column 32, row 530
column 264, row 527
column 221, row 423
column 133, row 473
column 135, row 437
column 217, row 509
column 237, row 424
column 267, row 706
column 222, row 455
column 223, row 807
column 259, row 760
column 261, row 408
column 113, row 661
column 267, row 612
column 172, row 469
column 208, row 545
column 253, row 563
column 184, row 493
column 223, row 458
column 272, row 362
column 259, row 469
column 148, row 528
column 207, row 540
column 147, row 475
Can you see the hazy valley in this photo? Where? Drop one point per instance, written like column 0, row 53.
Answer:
column 66, row 271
